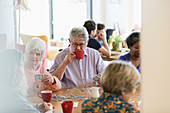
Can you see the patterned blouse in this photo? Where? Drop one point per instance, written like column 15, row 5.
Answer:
column 108, row 103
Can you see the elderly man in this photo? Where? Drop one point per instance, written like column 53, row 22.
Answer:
column 72, row 71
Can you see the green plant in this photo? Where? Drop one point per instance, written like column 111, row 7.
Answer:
column 115, row 40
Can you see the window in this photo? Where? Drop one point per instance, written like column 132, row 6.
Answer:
column 125, row 13
column 68, row 14
column 36, row 20
column 55, row 18
column 64, row 15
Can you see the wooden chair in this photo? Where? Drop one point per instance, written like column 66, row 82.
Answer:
column 25, row 38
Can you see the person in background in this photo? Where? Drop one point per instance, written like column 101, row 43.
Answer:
column 71, row 71
column 13, row 85
column 101, row 35
column 119, row 82
column 90, row 26
column 34, row 54
column 133, row 42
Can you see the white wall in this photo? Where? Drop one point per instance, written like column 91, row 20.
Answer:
column 7, row 21
column 126, row 12
column 99, row 11
column 155, row 56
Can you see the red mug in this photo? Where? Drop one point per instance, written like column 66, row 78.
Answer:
column 45, row 95
column 79, row 54
column 67, row 106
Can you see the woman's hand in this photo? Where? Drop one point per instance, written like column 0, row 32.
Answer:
column 48, row 106
column 45, row 107
column 34, row 87
column 48, row 80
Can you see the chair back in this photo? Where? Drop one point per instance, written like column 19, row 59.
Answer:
column 25, row 38
column 108, row 33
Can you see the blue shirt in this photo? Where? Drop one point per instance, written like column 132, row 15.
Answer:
column 108, row 103
column 94, row 43
column 79, row 72
column 126, row 58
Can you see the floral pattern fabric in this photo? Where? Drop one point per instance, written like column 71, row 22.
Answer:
column 108, row 103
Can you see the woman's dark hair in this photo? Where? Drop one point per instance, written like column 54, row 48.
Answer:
column 100, row 26
column 90, row 25
column 133, row 38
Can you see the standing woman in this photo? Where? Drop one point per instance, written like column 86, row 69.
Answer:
column 133, row 42
column 34, row 53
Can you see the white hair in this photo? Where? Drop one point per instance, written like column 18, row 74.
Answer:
column 36, row 44
column 12, row 69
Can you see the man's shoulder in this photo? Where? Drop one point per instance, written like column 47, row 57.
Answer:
column 94, row 40
column 61, row 55
column 94, row 43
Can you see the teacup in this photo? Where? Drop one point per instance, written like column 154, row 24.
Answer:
column 46, row 95
column 94, row 92
column 79, row 54
column 67, row 106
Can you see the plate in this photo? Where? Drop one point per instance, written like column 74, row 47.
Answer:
column 115, row 53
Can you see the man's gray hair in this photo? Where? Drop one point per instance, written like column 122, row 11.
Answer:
column 36, row 44
column 79, row 32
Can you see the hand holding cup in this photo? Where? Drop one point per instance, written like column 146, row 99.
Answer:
column 44, row 107
column 69, row 58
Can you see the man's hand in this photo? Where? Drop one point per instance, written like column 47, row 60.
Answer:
column 102, row 37
column 69, row 58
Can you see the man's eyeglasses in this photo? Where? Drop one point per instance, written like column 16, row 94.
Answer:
column 81, row 44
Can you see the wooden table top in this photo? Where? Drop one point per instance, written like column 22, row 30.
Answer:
column 114, row 55
column 80, row 91
column 79, row 94
column 83, row 91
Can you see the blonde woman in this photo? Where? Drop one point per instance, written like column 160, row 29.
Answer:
column 34, row 54
column 13, row 85
column 119, row 82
